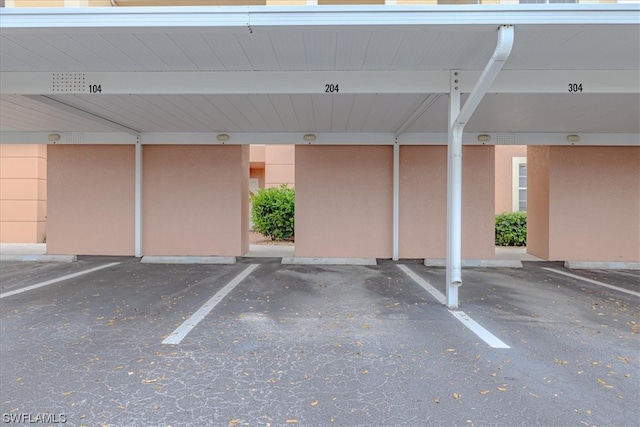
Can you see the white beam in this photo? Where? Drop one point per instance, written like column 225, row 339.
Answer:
column 95, row 138
column 82, row 113
column 235, row 19
column 574, row 82
column 243, row 138
column 346, row 138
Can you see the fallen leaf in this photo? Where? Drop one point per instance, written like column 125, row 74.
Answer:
column 601, row 381
column 291, row 421
column 149, row 381
column 234, row 422
column 456, row 396
column 314, row 403
column 67, row 393
column 484, row 392
column 436, row 400
column 502, row 388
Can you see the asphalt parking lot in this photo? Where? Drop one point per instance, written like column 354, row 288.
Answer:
column 261, row 344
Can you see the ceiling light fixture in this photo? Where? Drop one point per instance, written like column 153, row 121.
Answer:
column 309, row 137
column 222, row 137
column 573, row 138
column 53, row 137
column 483, row 137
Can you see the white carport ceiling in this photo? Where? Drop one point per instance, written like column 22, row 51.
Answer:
column 567, row 38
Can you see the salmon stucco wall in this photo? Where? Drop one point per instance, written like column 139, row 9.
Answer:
column 423, row 202
column 343, row 201
column 595, row 204
column 538, row 201
column 195, row 200
column 91, row 199
column 503, row 173
column 592, row 203
column 23, row 193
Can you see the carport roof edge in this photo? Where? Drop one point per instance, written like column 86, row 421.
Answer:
column 251, row 17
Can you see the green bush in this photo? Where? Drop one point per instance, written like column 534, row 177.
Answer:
column 511, row 229
column 272, row 212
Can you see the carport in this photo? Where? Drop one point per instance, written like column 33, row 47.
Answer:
column 149, row 113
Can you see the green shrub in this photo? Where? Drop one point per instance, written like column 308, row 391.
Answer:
column 511, row 229
column 273, row 211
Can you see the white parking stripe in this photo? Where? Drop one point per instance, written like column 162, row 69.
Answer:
column 475, row 327
column 426, row 285
column 59, row 279
column 176, row 336
column 595, row 282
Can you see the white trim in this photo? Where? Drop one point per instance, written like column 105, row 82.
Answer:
column 313, row 82
column 322, row 138
column 515, row 182
column 47, row 20
column 481, row 332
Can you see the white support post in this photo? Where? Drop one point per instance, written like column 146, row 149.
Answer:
column 454, row 196
column 396, row 200
column 138, row 200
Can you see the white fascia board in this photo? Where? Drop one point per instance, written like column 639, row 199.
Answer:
column 526, row 138
column 252, row 18
column 313, row 82
column 296, row 138
column 66, row 138
column 244, row 138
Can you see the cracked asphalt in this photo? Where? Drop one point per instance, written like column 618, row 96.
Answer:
column 317, row 346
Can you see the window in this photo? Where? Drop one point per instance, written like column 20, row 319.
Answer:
column 519, row 184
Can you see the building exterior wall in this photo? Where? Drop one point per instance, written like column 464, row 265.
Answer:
column 423, row 202
column 23, row 193
column 503, row 181
column 538, row 201
column 344, row 201
column 593, row 207
column 91, row 199
column 595, row 204
column 195, row 200
column 279, row 165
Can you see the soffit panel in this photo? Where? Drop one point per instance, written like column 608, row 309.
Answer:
column 535, row 48
column 541, row 113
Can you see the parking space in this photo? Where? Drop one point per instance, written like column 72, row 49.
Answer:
column 316, row 345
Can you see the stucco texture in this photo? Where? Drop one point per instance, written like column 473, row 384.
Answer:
column 91, row 199
column 343, row 201
column 423, row 202
column 593, row 199
column 195, row 200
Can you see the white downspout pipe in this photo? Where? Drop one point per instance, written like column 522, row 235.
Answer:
column 454, row 176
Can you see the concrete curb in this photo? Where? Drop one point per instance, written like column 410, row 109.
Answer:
column 503, row 263
column 151, row 259
column 601, row 265
column 38, row 258
column 328, row 261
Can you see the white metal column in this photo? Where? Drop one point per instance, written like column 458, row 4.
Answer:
column 454, row 196
column 396, row 200
column 138, row 199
